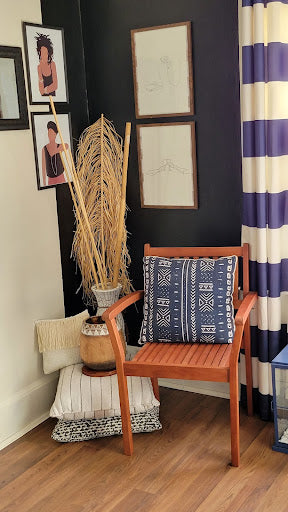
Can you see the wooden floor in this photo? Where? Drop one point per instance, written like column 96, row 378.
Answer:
column 183, row 468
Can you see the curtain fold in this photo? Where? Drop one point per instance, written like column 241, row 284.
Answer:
column 263, row 59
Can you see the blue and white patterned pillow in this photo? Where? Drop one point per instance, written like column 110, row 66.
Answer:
column 188, row 300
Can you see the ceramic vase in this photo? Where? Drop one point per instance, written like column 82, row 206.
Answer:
column 105, row 299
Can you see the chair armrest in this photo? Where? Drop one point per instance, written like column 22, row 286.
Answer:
column 122, row 304
column 109, row 317
column 245, row 308
column 240, row 319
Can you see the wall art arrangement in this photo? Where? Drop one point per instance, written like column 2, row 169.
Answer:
column 46, row 72
column 13, row 105
column 167, row 165
column 163, row 87
column 162, row 67
column 47, row 148
column 46, row 63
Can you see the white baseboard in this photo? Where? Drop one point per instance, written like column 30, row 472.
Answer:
column 24, row 430
column 220, row 389
column 26, row 409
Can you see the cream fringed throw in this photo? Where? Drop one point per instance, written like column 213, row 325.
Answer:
column 60, row 334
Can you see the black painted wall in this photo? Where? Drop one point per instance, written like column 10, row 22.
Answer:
column 58, row 13
column 106, row 35
column 106, row 29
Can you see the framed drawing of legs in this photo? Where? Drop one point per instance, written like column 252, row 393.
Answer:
column 167, row 165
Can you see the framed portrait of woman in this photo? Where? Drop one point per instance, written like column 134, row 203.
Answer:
column 48, row 148
column 46, row 63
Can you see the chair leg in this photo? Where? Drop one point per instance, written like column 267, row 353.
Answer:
column 248, row 365
column 155, row 386
column 125, row 412
column 234, row 417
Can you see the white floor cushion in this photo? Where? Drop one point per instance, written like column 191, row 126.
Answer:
column 81, row 397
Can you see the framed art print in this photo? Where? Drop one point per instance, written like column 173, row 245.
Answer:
column 13, row 103
column 162, row 70
column 46, row 63
column 47, row 148
column 167, row 165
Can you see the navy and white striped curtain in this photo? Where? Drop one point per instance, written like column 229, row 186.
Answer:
column 263, row 56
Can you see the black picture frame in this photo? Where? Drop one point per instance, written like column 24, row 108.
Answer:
column 49, row 117
column 21, row 122
column 28, row 56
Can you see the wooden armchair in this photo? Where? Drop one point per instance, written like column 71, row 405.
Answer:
column 196, row 361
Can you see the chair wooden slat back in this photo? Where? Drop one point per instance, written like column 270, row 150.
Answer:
column 209, row 252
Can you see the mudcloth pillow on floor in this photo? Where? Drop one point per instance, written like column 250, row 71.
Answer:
column 188, row 300
column 84, row 430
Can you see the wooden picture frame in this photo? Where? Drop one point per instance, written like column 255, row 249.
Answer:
column 167, row 165
column 13, row 103
column 162, row 70
column 49, row 165
column 46, row 63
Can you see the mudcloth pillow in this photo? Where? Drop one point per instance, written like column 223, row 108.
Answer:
column 188, row 300
column 84, row 430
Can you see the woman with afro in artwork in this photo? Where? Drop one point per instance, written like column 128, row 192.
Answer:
column 47, row 74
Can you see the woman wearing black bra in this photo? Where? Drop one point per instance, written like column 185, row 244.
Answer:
column 47, row 74
column 52, row 167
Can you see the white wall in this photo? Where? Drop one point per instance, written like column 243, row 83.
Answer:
column 30, row 267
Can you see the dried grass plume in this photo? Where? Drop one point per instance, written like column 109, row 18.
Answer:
column 99, row 169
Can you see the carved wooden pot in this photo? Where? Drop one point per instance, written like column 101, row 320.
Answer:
column 95, row 345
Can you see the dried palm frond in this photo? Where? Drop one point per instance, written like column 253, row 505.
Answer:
column 99, row 247
column 99, row 169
